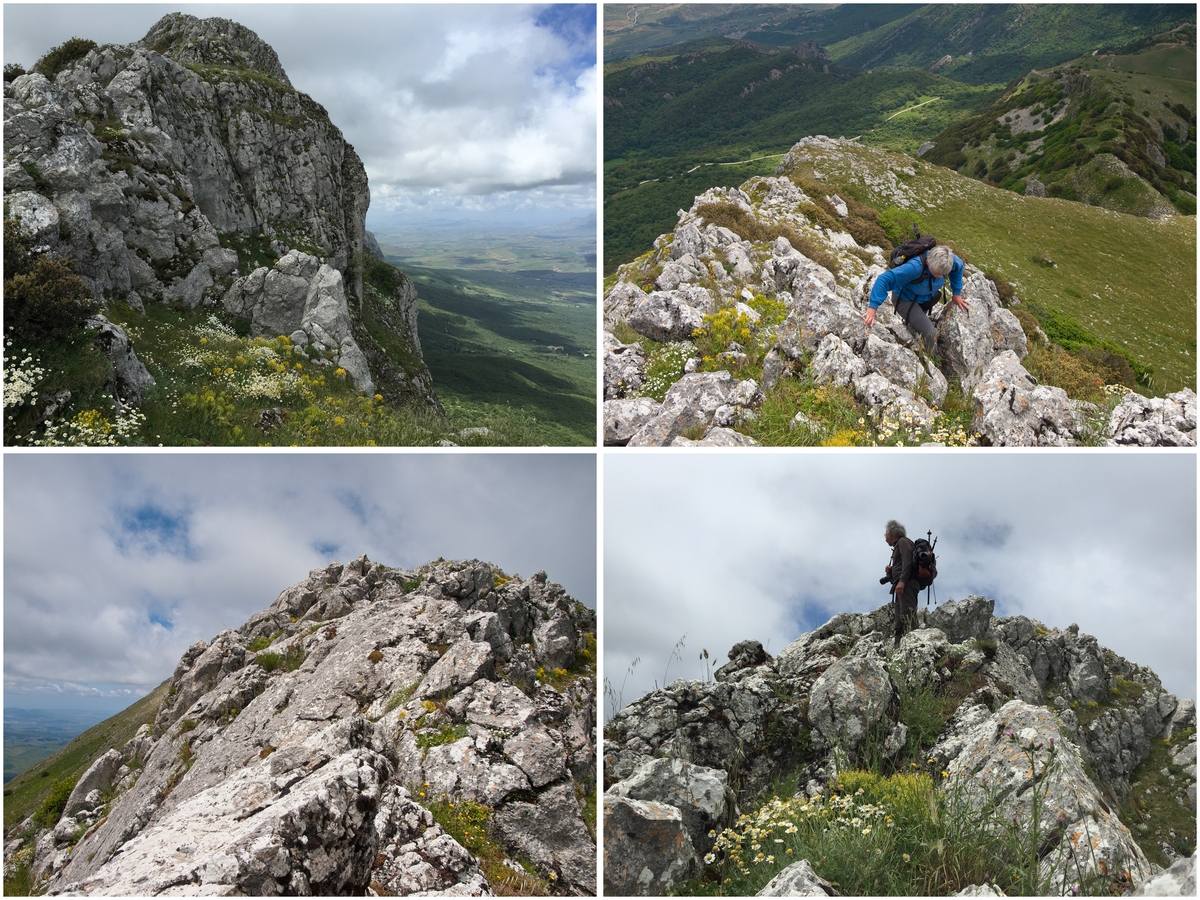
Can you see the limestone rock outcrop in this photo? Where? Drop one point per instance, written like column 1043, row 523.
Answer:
column 313, row 749
column 1044, row 712
column 704, row 272
column 156, row 165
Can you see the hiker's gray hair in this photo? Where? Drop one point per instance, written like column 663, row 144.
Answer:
column 895, row 529
column 940, row 260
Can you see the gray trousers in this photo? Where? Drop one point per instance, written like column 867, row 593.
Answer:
column 914, row 317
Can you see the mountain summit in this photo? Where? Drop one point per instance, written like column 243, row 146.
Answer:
column 186, row 169
column 374, row 729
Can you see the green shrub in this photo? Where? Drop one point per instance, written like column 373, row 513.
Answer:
column 62, row 56
column 54, row 804
column 13, row 71
column 45, row 301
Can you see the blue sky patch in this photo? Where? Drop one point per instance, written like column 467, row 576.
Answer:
column 327, row 549
column 153, row 530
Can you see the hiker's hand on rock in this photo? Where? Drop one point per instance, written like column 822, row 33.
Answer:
column 958, row 301
column 869, row 318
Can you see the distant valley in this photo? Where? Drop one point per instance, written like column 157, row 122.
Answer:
column 32, row 735
column 508, row 323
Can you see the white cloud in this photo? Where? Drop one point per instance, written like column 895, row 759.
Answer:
column 80, row 608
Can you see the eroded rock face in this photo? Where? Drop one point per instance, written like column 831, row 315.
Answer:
column 146, row 163
column 831, row 695
column 300, row 753
column 1020, row 752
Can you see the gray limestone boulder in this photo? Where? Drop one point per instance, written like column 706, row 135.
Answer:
column 647, row 851
column 130, row 379
column 620, row 301
column 961, row 620
column 1168, row 421
column 463, row 664
column 968, row 340
column 625, row 418
column 847, row 700
column 701, row 794
column 798, row 880
column 1000, row 759
column 717, row 436
column 624, row 368
column 664, row 316
column 1013, row 410
column 1177, row 881
column 100, row 776
column 888, row 400
column 551, row 834
column 835, row 362
column 691, row 402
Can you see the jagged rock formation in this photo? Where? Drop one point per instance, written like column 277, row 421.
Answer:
column 301, row 753
column 150, row 163
column 702, row 269
column 1055, row 694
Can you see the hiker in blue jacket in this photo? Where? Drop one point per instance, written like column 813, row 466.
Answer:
column 915, row 286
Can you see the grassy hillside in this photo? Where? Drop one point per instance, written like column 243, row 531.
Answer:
column 513, row 350
column 630, row 29
column 1126, row 279
column 999, row 42
column 27, row 792
column 1107, row 130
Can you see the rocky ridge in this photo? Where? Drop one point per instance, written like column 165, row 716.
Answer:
column 703, row 269
column 681, row 762
column 151, row 164
column 306, row 751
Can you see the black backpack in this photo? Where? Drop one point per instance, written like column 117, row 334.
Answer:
column 924, row 561
column 918, row 246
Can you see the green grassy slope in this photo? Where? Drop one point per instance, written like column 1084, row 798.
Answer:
column 1128, row 279
column 1072, row 124
column 26, row 793
column 630, row 29
column 998, row 42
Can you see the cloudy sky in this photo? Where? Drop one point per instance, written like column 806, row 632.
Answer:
column 114, row 564
column 726, row 547
column 454, row 108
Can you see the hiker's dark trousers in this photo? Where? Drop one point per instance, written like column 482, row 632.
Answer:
column 906, row 609
column 918, row 322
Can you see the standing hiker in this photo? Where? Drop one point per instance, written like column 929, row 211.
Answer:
column 915, row 286
column 902, row 572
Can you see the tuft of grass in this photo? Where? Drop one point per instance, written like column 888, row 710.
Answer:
column 447, row 734
column 1153, row 811
column 262, row 643
column 290, row 660
column 469, row 823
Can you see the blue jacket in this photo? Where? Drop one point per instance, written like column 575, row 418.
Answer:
column 906, row 283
